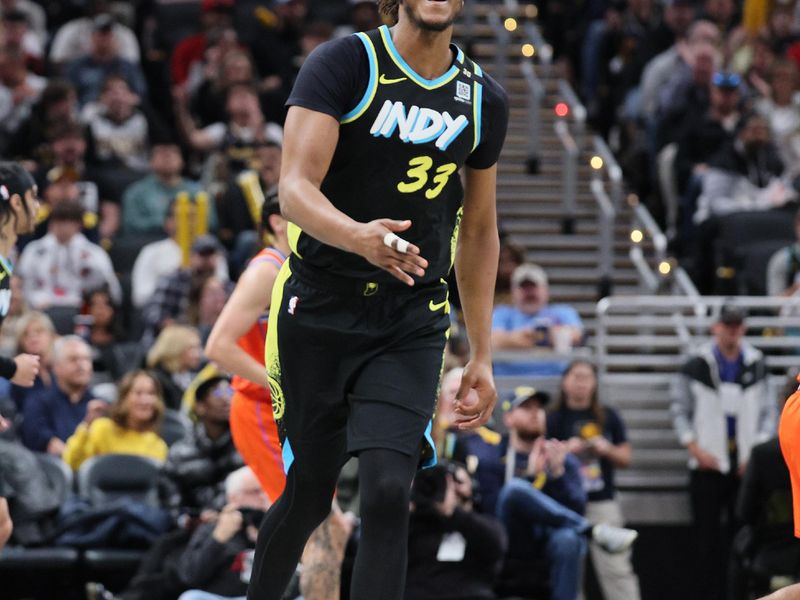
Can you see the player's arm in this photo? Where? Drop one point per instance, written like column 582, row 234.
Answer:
column 248, row 301
column 476, row 271
column 310, row 139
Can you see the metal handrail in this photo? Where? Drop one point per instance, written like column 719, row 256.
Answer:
column 503, row 42
column 536, row 94
column 646, row 220
column 576, row 107
column 543, row 49
column 690, row 320
column 612, row 168
column 608, row 215
column 569, row 173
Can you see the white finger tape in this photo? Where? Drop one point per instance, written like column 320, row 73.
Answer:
column 402, row 245
column 389, row 239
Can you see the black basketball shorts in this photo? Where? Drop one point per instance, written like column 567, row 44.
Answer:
column 354, row 365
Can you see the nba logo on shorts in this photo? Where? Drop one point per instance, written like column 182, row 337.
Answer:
column 462, row 90
column 293, row 304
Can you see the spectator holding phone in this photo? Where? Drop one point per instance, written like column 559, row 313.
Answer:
column 218, row 561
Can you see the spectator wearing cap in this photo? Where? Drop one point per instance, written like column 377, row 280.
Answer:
column 703, row 134
column 595, row 434
column 145, row 202
column 73, row 40
column 534, row 486
column 170, row 300
column 163, row 258
column 530, row 321
column 721, row 407
column 60, row 268
column 197, row 465
column 89, row 71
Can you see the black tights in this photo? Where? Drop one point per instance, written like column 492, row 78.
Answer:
column 380, row 568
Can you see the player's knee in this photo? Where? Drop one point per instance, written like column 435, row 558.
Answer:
column 385, row 497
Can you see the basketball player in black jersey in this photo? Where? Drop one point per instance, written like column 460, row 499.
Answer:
column 379, row 127
column 18, row 207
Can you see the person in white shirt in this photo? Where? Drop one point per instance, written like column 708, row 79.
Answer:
column 59, row 268
column 162, row 258
column 74, row 39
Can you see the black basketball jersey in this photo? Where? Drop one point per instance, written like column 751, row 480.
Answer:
column 398, row 156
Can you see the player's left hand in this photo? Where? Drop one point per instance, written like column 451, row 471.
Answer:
column 471, row 413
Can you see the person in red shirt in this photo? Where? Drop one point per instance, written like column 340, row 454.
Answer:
column 217, row 14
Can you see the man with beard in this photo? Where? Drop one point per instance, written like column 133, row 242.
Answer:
column 378, row 127
column 535, row 487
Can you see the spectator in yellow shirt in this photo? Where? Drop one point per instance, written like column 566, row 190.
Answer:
column 130, row 427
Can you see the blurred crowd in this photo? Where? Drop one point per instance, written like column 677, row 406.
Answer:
column 153, row 130
column 699, row 98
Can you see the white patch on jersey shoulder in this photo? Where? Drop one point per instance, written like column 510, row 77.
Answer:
column 463, row 90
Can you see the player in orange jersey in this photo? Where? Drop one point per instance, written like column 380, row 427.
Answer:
column 236, row 344
column 789, row 432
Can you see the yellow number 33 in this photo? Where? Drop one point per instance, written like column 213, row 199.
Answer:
column 419, row 167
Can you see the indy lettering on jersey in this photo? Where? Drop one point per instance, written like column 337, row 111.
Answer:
column 418, row 125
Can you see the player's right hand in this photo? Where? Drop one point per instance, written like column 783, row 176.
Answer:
column 369, row 243
column 27, row 369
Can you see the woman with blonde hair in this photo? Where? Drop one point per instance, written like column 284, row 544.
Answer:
column 130, row 427
column 174, row 360
column 36, row 335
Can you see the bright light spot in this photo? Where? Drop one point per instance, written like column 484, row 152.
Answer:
column 637, row 236
column 664, row 267
column 562, row 109
column 510, row 24
column 528, row 50
column 596, row 162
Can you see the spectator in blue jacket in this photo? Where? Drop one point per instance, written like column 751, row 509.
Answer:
column 534, row 485
column 52, row 415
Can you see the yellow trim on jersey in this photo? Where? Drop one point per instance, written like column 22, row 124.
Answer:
column 293, row 233
column 372, row 85
column 272, row 359
column 428, row 84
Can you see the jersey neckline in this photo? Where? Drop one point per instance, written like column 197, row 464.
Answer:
column 411, row 73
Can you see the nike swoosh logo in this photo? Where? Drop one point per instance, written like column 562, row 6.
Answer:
column 382, row 79
column 434, row 306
